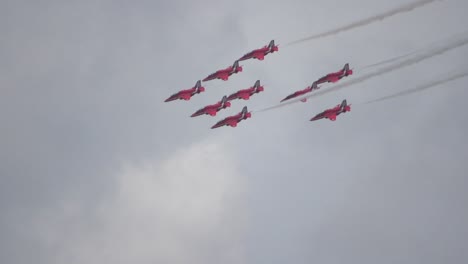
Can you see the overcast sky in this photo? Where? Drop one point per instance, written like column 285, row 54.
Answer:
column 96, row 168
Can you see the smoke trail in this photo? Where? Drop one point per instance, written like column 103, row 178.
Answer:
column 396, row 66
column 389, row 60
column 390, row 68
column 396, row 58
column 420, row 88
column 401, row 9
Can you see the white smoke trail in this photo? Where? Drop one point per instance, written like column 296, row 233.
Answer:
column 384, row 70
column 401, row 9
column 397, row 58
column 420, row 88
column 389, row 60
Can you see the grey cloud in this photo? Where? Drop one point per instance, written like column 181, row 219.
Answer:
column 82, row 94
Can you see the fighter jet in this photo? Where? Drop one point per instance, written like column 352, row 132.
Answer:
column 232, row 121
column 213, row 109
column 336, row 76
column 246, row 93
column 260, row 53
column 225, row 73
column 333, row 112
column 187, row 94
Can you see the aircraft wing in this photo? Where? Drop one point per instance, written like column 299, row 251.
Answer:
column 232, row 123
column 334, row 78
column 211, row 111
column 244, row 96
column 185, row 96
column 332, row 117
column 223, row 76
column 259, row 55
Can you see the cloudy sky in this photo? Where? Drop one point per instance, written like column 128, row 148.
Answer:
column 95, row 168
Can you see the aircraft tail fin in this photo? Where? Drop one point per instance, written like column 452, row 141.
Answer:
column 257, row 84
column 198, row 87
column 272, row 43
column 314, row 86
column 243, row 113
column 343, row 105
column 224, row 100
column 235, row 65
column 346, row 67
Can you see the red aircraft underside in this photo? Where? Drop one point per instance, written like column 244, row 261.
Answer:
column 332, row 113
column 260, row 54
column 246, row 93
column 213, row 109
column 335, row 76
column 224, row 73
column 186, row 94
column 232, row 121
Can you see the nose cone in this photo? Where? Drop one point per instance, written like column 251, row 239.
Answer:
column 248, row 115
column 227, row 104
column 275, row 48
column 260, row 89
column 350, row 72
column 171, row 98
column 202, row 89
column 239, row 69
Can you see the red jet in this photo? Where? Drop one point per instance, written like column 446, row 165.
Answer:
column 213, row 109
column 260, row 54
column 302, row 92
column 333, row 112
column 225, row 73
column 336, row 76
column 187, row 94
column 246, row 93
column 232, row 121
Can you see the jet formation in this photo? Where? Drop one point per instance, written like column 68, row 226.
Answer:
column 245, row 94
